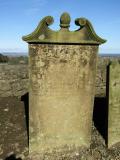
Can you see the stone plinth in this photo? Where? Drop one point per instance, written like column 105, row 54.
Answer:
column 114, row 105
column 62, row 72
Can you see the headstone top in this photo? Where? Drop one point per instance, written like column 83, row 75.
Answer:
column 85, row 34
column 65, row 20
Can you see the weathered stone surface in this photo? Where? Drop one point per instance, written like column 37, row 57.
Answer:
column 114, row 105
column 62, row 89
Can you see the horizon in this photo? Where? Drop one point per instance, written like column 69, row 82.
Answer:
column 22, row 18
column 27, row 53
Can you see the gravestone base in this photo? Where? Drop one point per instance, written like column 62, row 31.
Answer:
column 58, row 144
column 68, row 152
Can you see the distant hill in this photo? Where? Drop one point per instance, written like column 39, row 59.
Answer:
column 15, row 54
column 18, row 54
column 109, row 54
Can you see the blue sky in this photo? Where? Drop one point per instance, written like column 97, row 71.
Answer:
column 21, row 17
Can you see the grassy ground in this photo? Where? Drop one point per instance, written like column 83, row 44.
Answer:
column 14, row 142
column 13, row 134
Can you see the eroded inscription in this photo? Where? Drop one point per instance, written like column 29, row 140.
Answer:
column 49, row 63
column 62, row 87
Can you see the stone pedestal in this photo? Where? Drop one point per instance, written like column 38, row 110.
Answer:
column 114, row 105
column 62, row 68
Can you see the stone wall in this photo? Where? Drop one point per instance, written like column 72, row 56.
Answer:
column 14, row 78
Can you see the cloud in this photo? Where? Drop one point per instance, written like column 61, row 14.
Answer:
column 39, row 2
column 35, row 6
column 31, row 11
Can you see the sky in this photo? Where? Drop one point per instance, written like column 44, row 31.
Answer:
column 21, row 17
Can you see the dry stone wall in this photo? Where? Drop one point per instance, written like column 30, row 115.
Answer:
column 14, row 78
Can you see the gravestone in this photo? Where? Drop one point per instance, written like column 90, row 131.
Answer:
column 114, row 105
column 62, row 69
